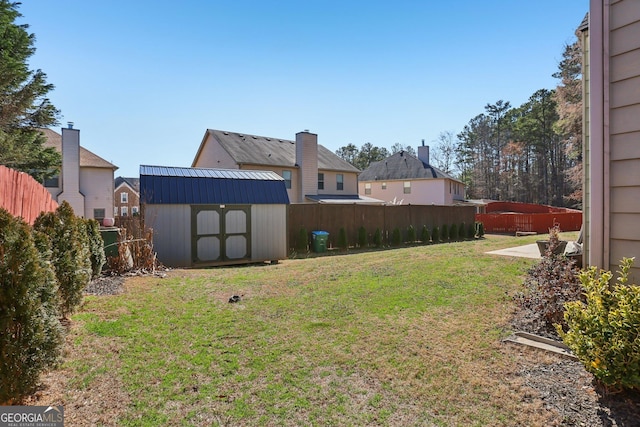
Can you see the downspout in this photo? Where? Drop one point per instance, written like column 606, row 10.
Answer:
column 599, row 134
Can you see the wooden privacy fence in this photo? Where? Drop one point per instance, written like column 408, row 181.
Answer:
column 507, row 217
column 22, row 196
column 331, row 218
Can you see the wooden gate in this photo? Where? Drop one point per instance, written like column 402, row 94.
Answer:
column 220, row 233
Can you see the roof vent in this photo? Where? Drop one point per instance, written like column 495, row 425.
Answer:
column 70, row 125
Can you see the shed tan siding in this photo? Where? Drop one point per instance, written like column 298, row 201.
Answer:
column 269, row 232
column 171, row 226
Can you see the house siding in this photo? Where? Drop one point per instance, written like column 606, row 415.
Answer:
column 97, row 186
column 214, row 156
column 423, row 192
column 618, row 26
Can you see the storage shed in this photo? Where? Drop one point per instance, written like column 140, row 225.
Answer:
column 203, row 217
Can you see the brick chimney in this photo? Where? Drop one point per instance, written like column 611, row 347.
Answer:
column 71, row 170
column 423, row 153
column 307, row 161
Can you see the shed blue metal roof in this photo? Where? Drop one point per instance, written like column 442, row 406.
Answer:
column 176, row 185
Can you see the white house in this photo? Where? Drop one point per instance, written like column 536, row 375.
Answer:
column 85, row 180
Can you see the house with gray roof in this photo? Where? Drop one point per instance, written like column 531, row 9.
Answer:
column 312, row 173
column 85, row 180
column 405, row 179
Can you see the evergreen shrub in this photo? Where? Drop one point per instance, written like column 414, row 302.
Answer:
column 453, row 232
column 396, row 237
column 96, row 245
column 31, row 336
column 435, row 235
column 411, row 234
column 471, row 231
column 424, row 236
column 303, row 240
column 377, row 238
column 342, row 239
column 70, row 254
column 444, row 233
column 362, row 237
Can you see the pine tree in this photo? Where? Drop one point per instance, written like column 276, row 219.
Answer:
column 24, row 107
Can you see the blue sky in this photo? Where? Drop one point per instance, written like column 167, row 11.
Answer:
column 143, row 80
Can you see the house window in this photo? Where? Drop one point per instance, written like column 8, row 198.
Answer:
column 52, row 182
column 124, row 211
column 287, row 178
column 339, row 182
column 320, row 181
column 407, row 187
column 115, row 211
column 98, row 213
column 367, row 188
column 124, row 197
column 134, row 211
column 384, row 185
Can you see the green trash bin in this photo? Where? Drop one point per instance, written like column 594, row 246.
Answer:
column 110, row 238
column 319, row 240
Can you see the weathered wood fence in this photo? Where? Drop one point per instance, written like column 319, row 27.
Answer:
column 23, row 196
column 331, row 218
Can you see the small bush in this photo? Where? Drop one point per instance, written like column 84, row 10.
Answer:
column 549, row 284
column 471, row 231
column 362, row 237
column 453, row 232
column 342, row 239
column 435, row 235
column 424, row 236
column 604, row 331
column 479, row 229
column 462, row 231
column 396, row 237
column 30, row 332
column 377, row 238
column 96, row 246
column 303, row 240
column 444, row 233
column 411, row 234
column 70, row 254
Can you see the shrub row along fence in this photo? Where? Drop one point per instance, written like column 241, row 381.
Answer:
column 508, row 217
column 22, row 196
column 332, row 218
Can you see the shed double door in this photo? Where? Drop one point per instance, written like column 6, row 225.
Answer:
column 220, row 233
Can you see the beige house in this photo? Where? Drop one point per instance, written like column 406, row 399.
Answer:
column 612, row 134
column 312, row 173
column 85, row 180
column 406, row 179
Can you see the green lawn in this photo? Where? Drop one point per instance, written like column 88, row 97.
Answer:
column 408, row 336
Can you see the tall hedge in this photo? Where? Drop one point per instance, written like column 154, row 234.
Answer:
column 30, row 333
column 71, row 256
